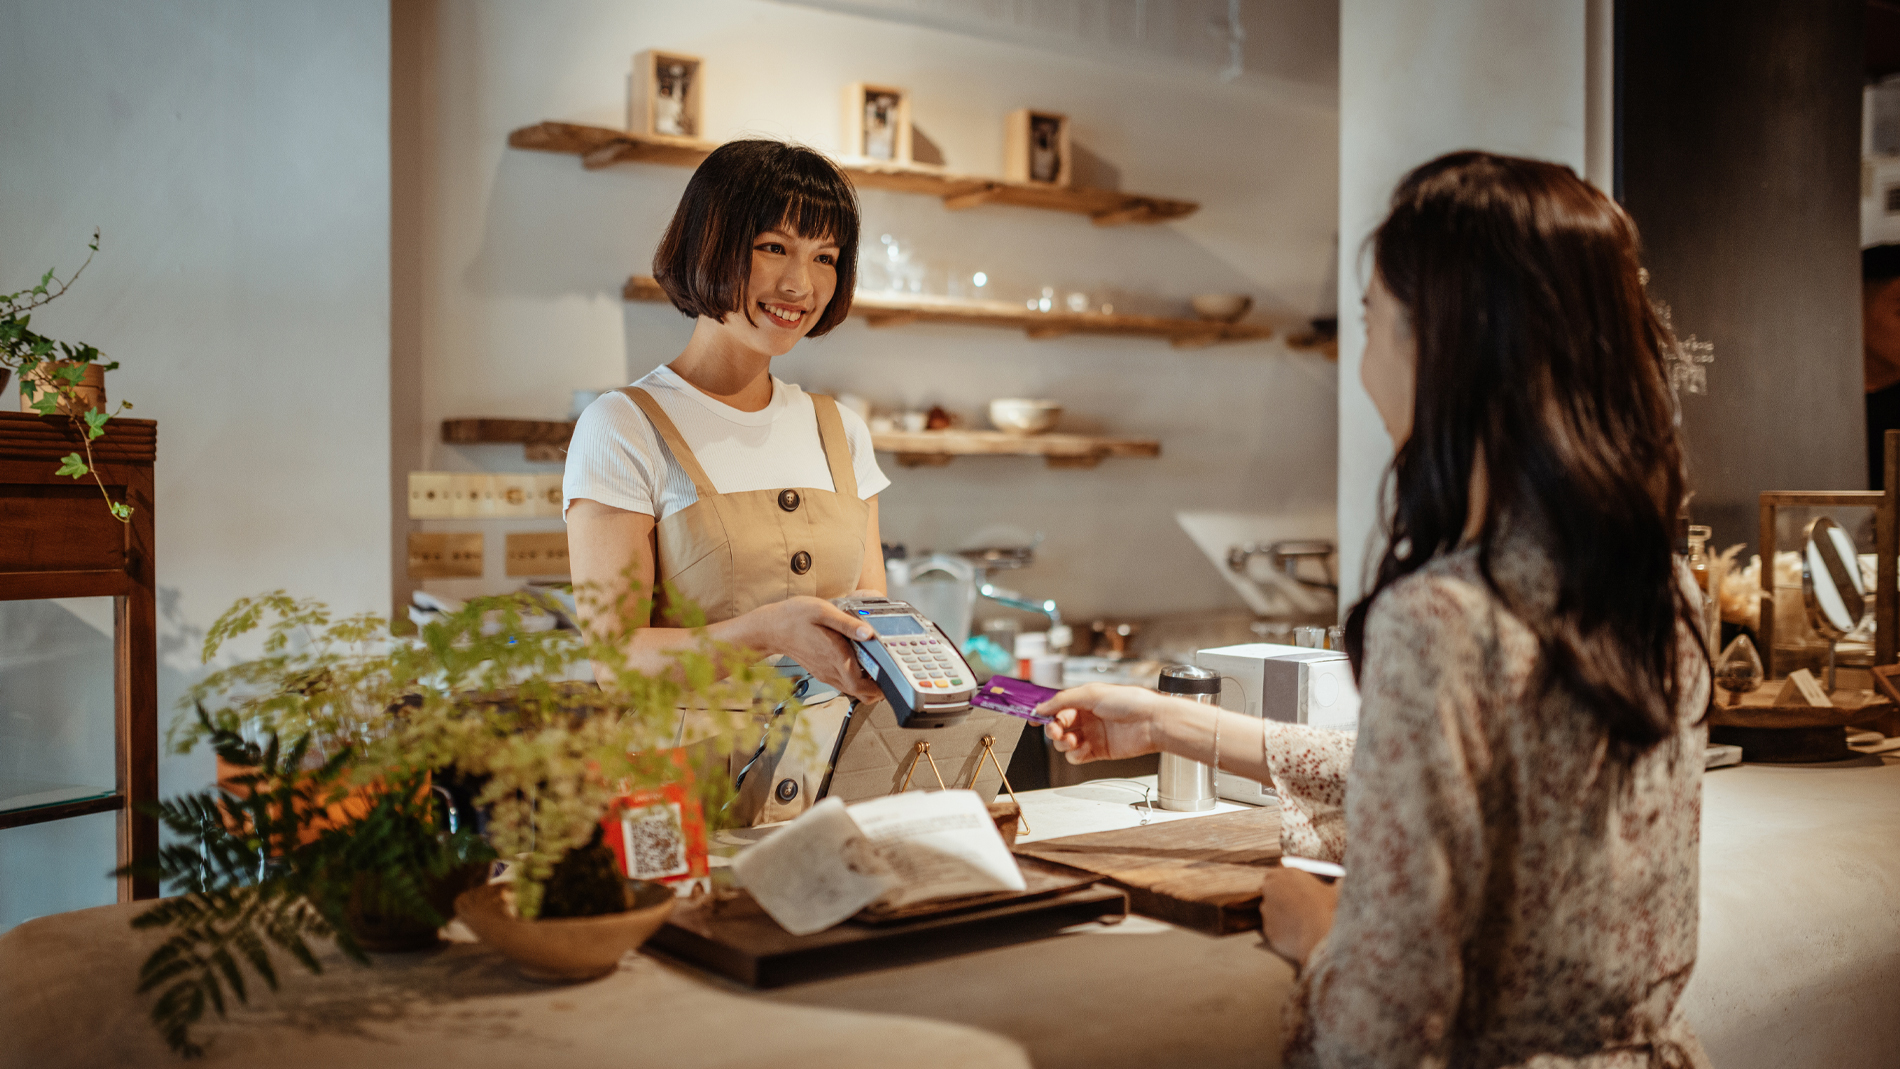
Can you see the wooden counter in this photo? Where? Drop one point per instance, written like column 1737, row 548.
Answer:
column 1798, row 967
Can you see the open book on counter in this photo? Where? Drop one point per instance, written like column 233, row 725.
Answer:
column 891, row 852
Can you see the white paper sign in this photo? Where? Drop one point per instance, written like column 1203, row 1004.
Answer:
column 941, row 844
column 833, row 861
column 815, row 871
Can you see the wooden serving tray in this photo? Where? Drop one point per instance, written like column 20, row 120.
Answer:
column 736, row 939
column 1202, row 873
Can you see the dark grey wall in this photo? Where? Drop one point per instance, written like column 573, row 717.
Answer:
column 1739, row 157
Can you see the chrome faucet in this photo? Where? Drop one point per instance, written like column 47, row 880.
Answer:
column 1011, row 598
column 1008, row 559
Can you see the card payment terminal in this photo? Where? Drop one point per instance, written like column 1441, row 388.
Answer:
column 914, row 663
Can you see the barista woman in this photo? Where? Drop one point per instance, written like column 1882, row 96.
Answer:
column 1518, row 814
column 720, row 484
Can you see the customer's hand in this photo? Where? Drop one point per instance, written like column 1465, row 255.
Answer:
column 1102, row 722
column 1296, row 912
column 813, row 632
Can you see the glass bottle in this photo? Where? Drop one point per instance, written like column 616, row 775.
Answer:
column 1699, row 555
column 1738, row 670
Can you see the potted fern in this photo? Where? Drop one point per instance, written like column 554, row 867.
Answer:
column 335, row 741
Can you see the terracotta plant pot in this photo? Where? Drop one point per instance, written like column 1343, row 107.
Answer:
column 565, row 948
column 90, row 394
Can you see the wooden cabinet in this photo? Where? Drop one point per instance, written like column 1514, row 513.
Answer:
column 57, row 540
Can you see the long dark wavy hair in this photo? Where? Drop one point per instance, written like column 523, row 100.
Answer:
column 1539, row 352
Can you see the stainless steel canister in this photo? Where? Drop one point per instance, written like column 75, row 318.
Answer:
column 1187, row 786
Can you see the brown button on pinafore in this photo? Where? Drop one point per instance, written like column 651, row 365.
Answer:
column 732, row 553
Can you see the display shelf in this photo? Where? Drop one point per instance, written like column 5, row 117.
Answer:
column 19, row 796
column 913, row 449
column 600, row 146
column 889, row 310
column 540, row 440
column 57, row 540
column 917, row 449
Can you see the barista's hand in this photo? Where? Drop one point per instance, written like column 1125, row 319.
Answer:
column 812, row 631
column 1103, row 722
column 1296, row 912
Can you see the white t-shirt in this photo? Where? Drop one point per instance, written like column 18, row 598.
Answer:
column 617, row 458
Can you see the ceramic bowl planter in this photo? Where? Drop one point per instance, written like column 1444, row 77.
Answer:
column 564, row 949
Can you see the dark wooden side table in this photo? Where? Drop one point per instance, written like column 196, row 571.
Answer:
column 57, row 540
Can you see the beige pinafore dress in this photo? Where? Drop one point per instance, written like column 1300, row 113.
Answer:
column 732, row 553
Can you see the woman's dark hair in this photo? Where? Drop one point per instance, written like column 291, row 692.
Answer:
column 1539, row 353
column 742, row 189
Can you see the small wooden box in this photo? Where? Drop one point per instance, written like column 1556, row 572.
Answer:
column 431, row 495
column 445, row 555
column 514, row 495
column 877, row 123
column 1037, row 151
column 664, row 95
column 530, row 553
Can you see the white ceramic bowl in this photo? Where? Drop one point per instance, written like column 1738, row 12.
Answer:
column 1022, row 415
column 1221, row 307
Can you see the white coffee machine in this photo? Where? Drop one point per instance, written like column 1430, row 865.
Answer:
column 1292, row 684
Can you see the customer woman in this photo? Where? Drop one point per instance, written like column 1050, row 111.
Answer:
column 1518, row 812
column 713, row 483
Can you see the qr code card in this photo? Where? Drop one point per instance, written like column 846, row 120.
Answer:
column 654, row 838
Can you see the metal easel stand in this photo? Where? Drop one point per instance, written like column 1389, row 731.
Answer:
column 922, row 752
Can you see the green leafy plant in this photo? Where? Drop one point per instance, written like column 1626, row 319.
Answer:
column 273, row 859
column 51, row 372
column 261, row 862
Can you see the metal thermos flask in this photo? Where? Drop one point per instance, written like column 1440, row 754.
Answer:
column 1187, row 786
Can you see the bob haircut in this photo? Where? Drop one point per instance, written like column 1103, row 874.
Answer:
column 704, row 263
column 1540, row 356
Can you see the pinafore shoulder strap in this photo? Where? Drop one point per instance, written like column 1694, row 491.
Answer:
column 844, row 477
column 663, row 424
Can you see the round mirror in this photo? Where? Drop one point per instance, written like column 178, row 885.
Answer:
column 1830, row 580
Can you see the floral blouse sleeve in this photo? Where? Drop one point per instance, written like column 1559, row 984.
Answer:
column 1383, row 988
column 1309, row 766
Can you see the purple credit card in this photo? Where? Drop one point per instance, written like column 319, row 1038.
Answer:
column 1017, row 697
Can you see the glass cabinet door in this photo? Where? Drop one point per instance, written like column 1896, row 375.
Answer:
column 56, row 746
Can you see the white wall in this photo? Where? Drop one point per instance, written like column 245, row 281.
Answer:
column 523, row 255
column 236, row 156
column 1419, row 78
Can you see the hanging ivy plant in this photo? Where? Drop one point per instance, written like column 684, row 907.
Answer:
column 52, row 372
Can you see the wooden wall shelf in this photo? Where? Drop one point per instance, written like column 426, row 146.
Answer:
column 546, row 440
column 540, row 439
column 889, row 310
column 931, row 449
column 600, row 146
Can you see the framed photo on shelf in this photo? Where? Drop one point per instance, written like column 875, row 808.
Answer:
column 664, row 101
column 877, row 123
column 1038, row 151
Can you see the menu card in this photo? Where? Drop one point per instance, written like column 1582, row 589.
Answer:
column 835, row 860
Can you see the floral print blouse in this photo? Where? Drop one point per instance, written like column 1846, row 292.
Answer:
column 1512, row 897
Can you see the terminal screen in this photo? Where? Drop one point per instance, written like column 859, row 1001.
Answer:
column 896, row 625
